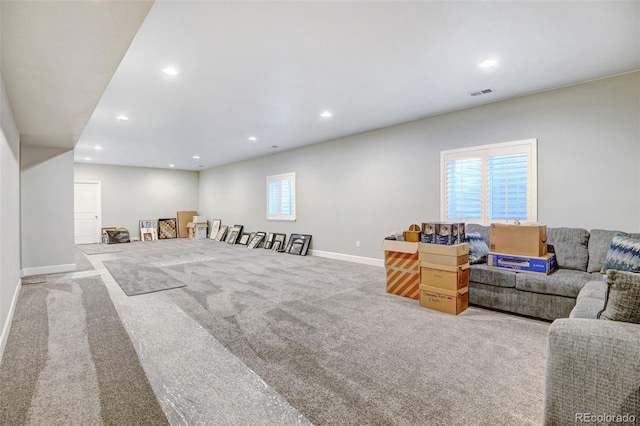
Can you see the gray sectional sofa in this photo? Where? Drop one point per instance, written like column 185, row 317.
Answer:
column 593, row 365
column 580, row 255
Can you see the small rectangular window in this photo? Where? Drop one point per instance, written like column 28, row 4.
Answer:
column 281, row 197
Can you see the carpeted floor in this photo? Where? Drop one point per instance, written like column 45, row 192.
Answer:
column 69, row 360
column 323, row 336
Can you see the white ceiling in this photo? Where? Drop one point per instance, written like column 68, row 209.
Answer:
column 57, row 58
column 268, row 69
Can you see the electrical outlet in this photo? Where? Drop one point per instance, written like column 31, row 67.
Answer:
column 357, row 243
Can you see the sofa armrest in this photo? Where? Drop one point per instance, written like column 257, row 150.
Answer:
column 592, row 369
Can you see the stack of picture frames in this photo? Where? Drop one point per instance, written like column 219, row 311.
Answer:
column 256, row 239
column 275, row 242
column 167, row 228
column 148, row 230
column 298, row 244
column 234, row 234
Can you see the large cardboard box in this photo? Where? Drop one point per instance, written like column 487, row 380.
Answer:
column 403, row 268
column 528, row 239
column 183, row 219
column 543, row 265
column 449, row 301
column 451, row 255
column 443, row 276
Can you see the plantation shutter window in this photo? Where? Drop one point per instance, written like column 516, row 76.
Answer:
column 281, row 198
column 464, row 191
column 491, row 183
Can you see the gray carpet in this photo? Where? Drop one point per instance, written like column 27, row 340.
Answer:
column 321, row 333
column 325, row 335
column 135, row 278
column 69, row 360
column 92, row 249
column 82, row 263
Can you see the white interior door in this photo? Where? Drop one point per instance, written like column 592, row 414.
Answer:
column 87, row 212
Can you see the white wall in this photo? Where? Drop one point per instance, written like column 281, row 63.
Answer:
column 9, row 216
column 47, row 210
column 365, row 186
column 130, row 194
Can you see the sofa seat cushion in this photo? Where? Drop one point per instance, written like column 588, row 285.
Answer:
column 482, row 274
column 563, row 282
column 590, row 300
column 570, row 246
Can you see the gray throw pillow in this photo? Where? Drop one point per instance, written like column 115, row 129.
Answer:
column 623, row 297
column 478, row 248
column 623, row 255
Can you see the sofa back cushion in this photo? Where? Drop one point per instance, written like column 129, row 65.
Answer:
column 571, row 246
column 599, row 243
column 623, row 297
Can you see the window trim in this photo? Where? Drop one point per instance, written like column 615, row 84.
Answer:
column 280, row 178
column 530, row 144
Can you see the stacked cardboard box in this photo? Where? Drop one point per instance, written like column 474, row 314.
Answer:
column 521, row 248
column 403, row 268
column 444, row 277
column 197, row 230
column 184, row 218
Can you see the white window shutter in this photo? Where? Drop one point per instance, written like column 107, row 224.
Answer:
column 281, row 197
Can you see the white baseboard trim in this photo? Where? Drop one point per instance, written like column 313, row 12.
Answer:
column 7, row 324
column 348, row 257
column 53, row 269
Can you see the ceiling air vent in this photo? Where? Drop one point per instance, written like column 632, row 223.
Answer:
column 482, row 92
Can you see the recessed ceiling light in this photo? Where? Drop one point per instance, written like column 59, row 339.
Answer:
column 326, row 114
column 98, row 148
column 172, row 165
column 122, row 117
column 87, row 158
column 196, row 157
column 487, row 63
column 170, row 71
column 253, row 138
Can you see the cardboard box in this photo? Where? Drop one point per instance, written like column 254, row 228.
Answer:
column 543, row 265
column 448, row 301
column 525, row 239
column 442, row 259
column 443, row 276
column 183, row 219
column 197, row 230
column 446, row 250
column 451, row 255
column 403, row 268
